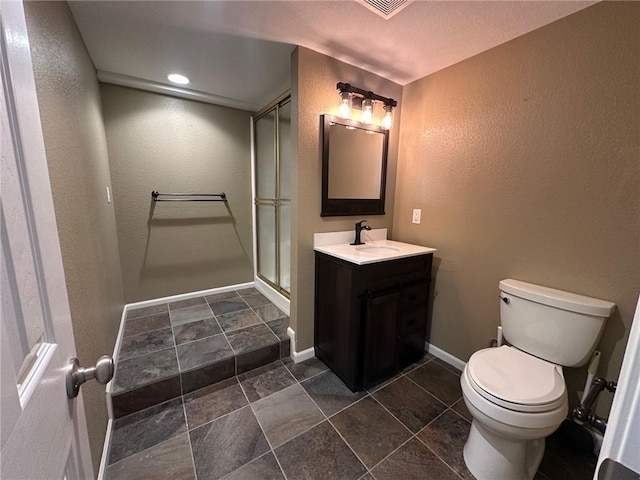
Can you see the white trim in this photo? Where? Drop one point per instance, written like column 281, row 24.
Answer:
column 298, row 357
column 43, row 358
column 187, row 296
column 444, row 356
column 116, row 352
column 105, row 450
column 254, row 229
column 274, row 296
column 150, row 86
column 109, row 387
column 303, row 355
column 292, row 340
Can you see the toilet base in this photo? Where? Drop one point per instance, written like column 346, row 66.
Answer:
column 490, row 456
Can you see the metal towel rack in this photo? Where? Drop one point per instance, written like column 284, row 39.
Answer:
column 155, row 195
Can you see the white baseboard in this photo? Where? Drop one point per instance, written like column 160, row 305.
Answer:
column 303, row 355
column 275, row 297
column 444, row 356
column 116, row 352
column 296, row 356
column 105, row 451
column 186, row 296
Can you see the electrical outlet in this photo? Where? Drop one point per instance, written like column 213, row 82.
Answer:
column 417, row 213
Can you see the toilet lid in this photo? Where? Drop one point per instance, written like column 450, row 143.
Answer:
column 517, row 380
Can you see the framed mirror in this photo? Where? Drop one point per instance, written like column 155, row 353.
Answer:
column 354, row 167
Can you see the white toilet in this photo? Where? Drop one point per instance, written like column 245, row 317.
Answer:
column 516, row 394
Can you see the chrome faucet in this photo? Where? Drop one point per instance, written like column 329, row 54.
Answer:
column 359, row 228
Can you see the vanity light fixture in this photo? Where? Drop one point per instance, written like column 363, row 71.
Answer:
column 178, row 79
column 367, row 100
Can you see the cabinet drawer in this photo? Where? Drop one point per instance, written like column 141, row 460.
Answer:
column 414, row 295
column 391, row 270
column 413, row 321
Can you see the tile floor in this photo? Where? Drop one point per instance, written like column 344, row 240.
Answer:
column 175, row 348
column 299, row 421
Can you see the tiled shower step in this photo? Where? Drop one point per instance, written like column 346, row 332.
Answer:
column 172, row 349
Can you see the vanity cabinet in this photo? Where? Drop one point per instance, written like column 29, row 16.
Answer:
column 370, row 320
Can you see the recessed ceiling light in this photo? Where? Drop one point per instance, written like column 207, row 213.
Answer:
column 177, row 78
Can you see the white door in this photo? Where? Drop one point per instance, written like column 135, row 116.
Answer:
column 43, row 434
column 622, row 438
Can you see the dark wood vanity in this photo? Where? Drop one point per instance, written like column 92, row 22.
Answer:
column 370, row 320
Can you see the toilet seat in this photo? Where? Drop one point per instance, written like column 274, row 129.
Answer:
column 516, row 380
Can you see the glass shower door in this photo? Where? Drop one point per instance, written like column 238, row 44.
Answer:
column 265, row 158
column 285, row 161
column 272, row 197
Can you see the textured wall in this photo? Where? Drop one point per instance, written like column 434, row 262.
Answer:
column 525, row 161
column 314, row 78
column 76, row 148
column 170, row 144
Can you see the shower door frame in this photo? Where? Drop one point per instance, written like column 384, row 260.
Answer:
column 277, row 201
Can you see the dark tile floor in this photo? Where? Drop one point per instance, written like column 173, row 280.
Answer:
column 298, row 421
column 172, row 349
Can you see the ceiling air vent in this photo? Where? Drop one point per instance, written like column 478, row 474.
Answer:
column 385, row 8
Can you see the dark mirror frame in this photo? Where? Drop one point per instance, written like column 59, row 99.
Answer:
column 333, row 207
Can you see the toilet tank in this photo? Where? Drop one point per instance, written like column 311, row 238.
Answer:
column 557, row 326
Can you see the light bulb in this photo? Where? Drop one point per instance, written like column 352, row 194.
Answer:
column 178, row 78
column 344, row 110
column 367, row 111
column 387, row 120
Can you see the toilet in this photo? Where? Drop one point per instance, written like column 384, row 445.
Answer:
column 516, row 392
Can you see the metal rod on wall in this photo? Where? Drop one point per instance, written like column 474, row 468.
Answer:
column 155, row 195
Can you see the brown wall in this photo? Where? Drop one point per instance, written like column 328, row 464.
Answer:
column 76, row 148
column 170, row 144
column 525, row 162
column 314, row 78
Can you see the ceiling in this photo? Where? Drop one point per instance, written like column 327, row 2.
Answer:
column 237, row 53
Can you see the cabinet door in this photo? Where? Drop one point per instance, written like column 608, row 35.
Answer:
column 337, row 320
column 380, row 336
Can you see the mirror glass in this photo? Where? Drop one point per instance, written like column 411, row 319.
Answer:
column 352, row 152
column 354, row 159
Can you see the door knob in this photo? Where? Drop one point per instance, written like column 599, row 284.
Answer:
column 77, row 375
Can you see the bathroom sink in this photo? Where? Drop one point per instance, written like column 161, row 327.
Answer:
column 377, row 249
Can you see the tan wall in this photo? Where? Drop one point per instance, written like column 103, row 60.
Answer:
column 170, row 144
column 76, row 149
column 525, row 162
column 314, row 78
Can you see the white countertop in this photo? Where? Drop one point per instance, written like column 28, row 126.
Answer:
column 375, row 249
